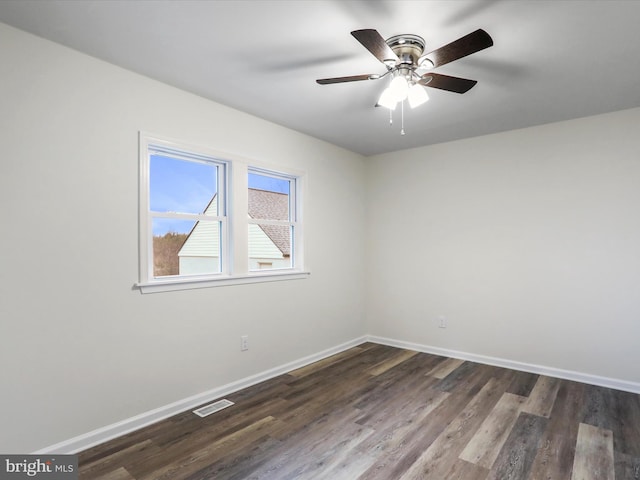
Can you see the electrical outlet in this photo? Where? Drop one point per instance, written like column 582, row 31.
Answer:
column 442, row 321
column 244, row 343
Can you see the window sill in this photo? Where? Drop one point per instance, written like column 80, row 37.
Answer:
column 189, row 284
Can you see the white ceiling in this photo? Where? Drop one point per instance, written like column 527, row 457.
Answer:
column 551, row 60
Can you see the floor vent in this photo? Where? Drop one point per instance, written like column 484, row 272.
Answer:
column 212, row 408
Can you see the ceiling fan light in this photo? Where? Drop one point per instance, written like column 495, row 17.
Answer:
column 417, row 95
column 387, row 99
column 399, row 88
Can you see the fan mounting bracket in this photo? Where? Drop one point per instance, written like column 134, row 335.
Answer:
column 407, row 47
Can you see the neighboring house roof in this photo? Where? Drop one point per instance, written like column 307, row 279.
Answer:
column 272, row 206
column 203, row 239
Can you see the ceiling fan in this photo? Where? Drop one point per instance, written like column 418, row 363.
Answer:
column 410, row 68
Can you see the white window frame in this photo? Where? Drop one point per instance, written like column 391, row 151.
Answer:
column 232, row 215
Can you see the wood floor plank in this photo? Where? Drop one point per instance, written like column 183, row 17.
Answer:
column 616, row 411
column 542, row 396
column 626, row 430
column 340, row 374
column 465, row 377
column 626, row 466
column 594, row 454
column 242, row 464
column 319, row 405
column 330, row 455
column 391, row 362
column 190, row 463
column 118, row 474
column 390, row 398
column 400, row 407
column 397, row 382
column 414, row 366
column 197, row 434
column 351, row 468
column 555, row 456
column 100, row 453
column 554, row 459
column 445, row 367
column 274, row 387
column 518, row 452
column 437, row 460
column 251, row 404
column 462, row 470
column 380, row 413
column 98, row 467
column 523, row 383
column 392, row 430
column 567, row 409
column 319, row 365
column 399, row 450
column 308, row 451
column 484, row 447
column 418, row 364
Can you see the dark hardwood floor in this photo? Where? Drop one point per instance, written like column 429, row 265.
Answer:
column 377, row 412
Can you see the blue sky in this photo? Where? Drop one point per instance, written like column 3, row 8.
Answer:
column 180, row 185
column 188, row 187
column 270, row 184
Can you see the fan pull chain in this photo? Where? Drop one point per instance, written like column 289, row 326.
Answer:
column 390, row 117
column 402, row 119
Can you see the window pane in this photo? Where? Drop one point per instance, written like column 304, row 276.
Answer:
column 185, row 247
column 269, row 246
column 182, row 186
column 269, row 197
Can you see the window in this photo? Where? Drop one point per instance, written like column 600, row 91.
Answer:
column 186, row 224
column 272, row 215
column 196, row 230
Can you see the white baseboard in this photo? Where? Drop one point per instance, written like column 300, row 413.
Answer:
column 109, row 432
column 614, row 383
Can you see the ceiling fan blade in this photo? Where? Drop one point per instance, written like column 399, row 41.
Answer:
column 373, row 41
column 445, row 82
column 472, row 43
column 353, row 78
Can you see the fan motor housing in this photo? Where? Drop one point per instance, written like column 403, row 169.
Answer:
column 407, row 47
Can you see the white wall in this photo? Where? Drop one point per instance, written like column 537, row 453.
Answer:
column 527, row 241
column 79, row 348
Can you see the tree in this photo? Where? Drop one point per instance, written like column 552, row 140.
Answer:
column 165, row 253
